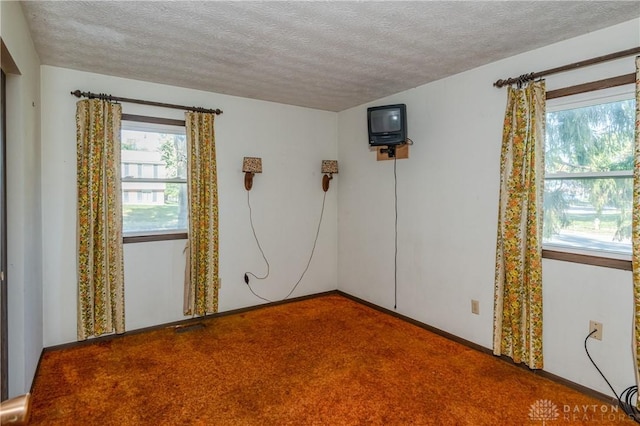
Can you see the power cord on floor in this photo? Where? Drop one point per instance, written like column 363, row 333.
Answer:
column 625, row 399
column 313, row 249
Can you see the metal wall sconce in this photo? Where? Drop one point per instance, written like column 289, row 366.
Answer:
column 250, row 166
column 329, row 167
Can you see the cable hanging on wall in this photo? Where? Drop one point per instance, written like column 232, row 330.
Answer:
column 264, row 257
column 395, row 254
column 627, row 399
column 329, row 167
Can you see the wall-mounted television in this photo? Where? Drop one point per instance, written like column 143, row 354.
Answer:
column 387, row 125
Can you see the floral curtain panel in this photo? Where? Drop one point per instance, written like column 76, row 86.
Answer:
column 635, row 261
column 99, row 215
column 517, row 326
column 201, row 275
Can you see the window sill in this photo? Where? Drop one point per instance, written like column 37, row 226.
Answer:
column 146, row 238
column 612, row 260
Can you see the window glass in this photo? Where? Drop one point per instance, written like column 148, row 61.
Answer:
column 154, row 171
column 588, row 175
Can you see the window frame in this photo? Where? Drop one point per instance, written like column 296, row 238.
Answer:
column 161, row 235
column 592, row 95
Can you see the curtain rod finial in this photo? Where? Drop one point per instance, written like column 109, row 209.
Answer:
column 76, row 93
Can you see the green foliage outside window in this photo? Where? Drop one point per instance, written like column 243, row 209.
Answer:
column 590, row 142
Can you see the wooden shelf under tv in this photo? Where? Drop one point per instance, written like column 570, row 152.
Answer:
column 402, row 152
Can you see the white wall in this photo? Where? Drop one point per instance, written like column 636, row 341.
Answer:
column 447, row 206
column 447, row 194
column 24, row 274
column 286, row 200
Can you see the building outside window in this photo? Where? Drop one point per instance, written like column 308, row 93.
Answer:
column 154, row 189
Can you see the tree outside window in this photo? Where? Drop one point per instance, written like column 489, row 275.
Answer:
column 588, row 176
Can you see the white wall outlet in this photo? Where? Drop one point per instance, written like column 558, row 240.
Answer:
column 475, row 307
column 594, row 325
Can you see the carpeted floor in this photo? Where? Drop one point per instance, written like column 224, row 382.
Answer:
column 323, row 361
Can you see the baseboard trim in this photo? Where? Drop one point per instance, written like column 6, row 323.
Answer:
column 568, row 383
column 183, row 322
column 542, row 373
column 417, row 323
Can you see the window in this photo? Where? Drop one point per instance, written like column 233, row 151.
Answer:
column 154, row 179
column 589, row 149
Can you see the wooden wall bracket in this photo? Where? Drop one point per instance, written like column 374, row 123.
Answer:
column 402, row 152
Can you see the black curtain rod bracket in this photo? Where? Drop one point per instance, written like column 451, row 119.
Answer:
column 104, row 96
column 524, row 78
column 534, row 75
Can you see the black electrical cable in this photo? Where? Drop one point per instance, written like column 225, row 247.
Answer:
column 626, row 400
column 627, row 404
column 253, row 229
column 313, row 249
column 395, row 258
column 594, row 364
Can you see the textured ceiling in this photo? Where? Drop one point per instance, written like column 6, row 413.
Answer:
column 326, row 55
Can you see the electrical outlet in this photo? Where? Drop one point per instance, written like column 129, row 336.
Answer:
column 475, row 307
column 594, row 325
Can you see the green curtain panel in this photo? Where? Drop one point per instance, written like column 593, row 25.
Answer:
column 201, row 275
column 635, row 238
column 99, row 215
column 517, row 325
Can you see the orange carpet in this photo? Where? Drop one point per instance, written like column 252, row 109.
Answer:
column 323, row 361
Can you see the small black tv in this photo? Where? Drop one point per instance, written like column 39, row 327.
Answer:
column 387, row 125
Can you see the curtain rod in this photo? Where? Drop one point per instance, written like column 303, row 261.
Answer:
column 104, row 96
column 532, row 76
